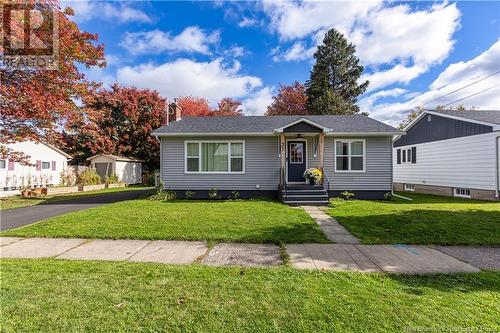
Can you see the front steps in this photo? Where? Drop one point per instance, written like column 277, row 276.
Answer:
column 313, row 195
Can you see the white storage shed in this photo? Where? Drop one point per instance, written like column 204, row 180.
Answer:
column 128, row 170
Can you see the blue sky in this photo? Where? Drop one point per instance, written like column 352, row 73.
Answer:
column 413, row 52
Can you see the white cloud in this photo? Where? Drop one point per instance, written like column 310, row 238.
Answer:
column 236, row 52
column 294, row 20
column 408, row 40
column 296, row 52
column 213, row 80
column 486, row 63
column 399, row 73
column 191, row 39
column 248, row 22
column 256, row 103
column 455, row 76
column 120, row 13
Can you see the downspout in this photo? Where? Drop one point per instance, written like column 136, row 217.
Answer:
column 497, row 162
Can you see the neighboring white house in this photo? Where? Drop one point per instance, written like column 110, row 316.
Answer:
column 47, row 164
column 451, row 153
column 128, row 170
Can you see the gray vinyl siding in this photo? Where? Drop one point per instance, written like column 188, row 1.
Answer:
column 262, row 165
column 378, row 172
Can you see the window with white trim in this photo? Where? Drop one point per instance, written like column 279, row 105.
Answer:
column 350, row 155
column 45, row 165
column 3, row 164
column 409, row 187
column 462, row 192
column 214, row 156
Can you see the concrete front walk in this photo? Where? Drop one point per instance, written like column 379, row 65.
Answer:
column 18, row 217
column 333, row 230
column 340, row 257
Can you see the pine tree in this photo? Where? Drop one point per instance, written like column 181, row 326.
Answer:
column 333, row 86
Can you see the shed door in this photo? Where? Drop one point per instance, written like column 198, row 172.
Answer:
column 296, row 161
column 104, row 169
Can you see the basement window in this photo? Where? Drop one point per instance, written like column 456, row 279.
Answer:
column 462, row 192
column 409, row 187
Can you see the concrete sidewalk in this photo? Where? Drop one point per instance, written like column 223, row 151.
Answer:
column 339, row 257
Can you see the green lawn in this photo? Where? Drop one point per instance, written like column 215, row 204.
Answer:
column 425, row 220
column 70, row 296
column 249, row 221
column 17, row 201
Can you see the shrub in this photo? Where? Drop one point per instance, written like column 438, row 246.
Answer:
column 347, row 195
column 335, row 202
column 213, row 194
column 163, row 195
column 190, row 194
column 112, row 179
column 234, row 195
column 68, row 177
column 89, row 177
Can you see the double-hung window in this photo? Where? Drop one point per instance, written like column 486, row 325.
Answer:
column 45, row 165
column 215, row 156
column 350, row 155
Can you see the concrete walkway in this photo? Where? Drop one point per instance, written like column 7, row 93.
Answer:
column 333, row 230
column 339, row 257
column 18, row 217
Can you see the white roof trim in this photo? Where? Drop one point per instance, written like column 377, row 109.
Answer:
column 68, row 156
column 305, row 120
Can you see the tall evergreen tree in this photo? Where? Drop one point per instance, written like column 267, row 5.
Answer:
column 333, row 87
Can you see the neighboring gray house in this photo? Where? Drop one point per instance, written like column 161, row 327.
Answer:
column 266, row 156
column 451, row 153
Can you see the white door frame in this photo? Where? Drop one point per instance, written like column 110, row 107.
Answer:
column 287, row 160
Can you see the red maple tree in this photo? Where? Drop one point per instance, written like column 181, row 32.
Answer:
column 36, row 103
column 119, row 121
column 228, row 107
column 290, row 100
column 194, row 106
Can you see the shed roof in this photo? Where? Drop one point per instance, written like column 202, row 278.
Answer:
column 116, row 158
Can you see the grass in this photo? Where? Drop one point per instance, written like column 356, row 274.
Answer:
column 425, row 220
column 248, row 221
column 16, row 201
column 68, row 296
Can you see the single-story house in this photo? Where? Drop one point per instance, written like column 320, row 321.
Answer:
column 450, row 153
column 47, row 163
column 128, row 170
column 266, row 156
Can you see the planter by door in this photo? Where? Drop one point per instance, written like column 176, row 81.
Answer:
column 297, row 161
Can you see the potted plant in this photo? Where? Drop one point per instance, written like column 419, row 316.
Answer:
column 313, row 176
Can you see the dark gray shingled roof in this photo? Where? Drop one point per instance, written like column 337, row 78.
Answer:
column 490, row 116
column 267, row 124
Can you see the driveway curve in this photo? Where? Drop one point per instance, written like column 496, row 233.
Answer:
column 18, row 217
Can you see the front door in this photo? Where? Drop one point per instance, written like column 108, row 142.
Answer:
column 296, row 161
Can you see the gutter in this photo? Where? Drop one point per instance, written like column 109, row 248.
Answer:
column 344, row 134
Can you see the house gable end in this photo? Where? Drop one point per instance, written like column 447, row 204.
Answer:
column 302, row 127
column 432, row 127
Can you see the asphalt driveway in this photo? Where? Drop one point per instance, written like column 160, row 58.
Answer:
column 18, row 217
